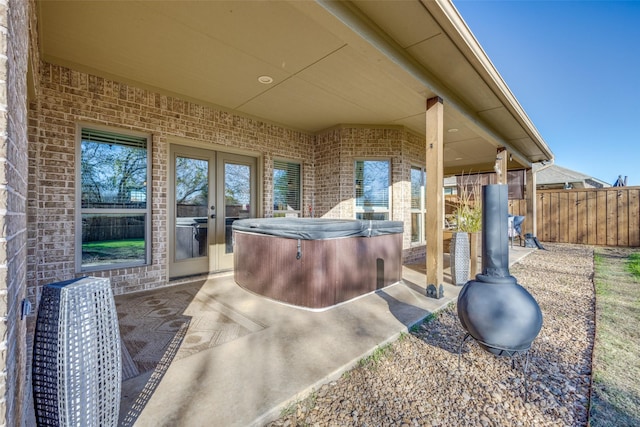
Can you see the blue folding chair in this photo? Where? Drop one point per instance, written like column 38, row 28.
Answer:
column 515, row 228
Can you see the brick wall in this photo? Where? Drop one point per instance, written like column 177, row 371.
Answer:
column 38, row 177
column 336, row 152
column 328, row 154
column 14, row 43
column 67, row 97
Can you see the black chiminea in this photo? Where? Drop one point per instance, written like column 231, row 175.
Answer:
column 494, row 309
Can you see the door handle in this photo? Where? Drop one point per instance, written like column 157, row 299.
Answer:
column 213, row 215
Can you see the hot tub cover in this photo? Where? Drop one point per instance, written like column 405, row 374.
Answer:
column 317, row 228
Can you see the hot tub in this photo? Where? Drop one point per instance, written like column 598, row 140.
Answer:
column 316, row 262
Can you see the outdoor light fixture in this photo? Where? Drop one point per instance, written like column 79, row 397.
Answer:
column 265, row 80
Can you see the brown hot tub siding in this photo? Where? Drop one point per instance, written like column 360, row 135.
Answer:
column 329, row 271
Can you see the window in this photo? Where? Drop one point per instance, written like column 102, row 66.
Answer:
column 286, row 189
column 418, row 178
column 372, row 189
column 113, row 224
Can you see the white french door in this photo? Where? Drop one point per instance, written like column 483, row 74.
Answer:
column 208, row 191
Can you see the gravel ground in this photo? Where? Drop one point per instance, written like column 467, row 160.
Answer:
column 416, row 380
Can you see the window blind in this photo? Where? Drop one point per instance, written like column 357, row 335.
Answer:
column 113, row 138
column 372, row 184
column 286, row 185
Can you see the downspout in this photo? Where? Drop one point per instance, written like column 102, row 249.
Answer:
column 367, row 30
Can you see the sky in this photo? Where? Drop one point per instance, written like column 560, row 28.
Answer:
column 574, row 66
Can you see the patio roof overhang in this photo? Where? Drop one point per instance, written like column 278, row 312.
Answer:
column 363, row 62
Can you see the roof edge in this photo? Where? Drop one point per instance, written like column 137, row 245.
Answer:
column 448, row 14
column 351, row 17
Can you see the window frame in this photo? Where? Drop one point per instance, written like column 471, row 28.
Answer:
column 375, row 209
column 422, row 209
column 286, row 212
column 80, row 211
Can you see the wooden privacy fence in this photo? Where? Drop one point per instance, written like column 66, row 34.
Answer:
column 595, row 216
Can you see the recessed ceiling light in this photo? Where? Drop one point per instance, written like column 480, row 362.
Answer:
column 265, row 80
column 452, row 130
column 458, row 158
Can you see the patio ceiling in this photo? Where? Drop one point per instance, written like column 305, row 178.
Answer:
column 365, row 62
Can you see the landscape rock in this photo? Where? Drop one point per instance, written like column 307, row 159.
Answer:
column 418, row 382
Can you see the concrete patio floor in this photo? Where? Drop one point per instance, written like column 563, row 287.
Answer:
column 251, row 379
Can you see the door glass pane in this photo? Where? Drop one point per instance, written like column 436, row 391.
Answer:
column 237, row 198
column 192, row 199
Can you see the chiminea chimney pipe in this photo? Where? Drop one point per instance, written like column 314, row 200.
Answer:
column 495, row 234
